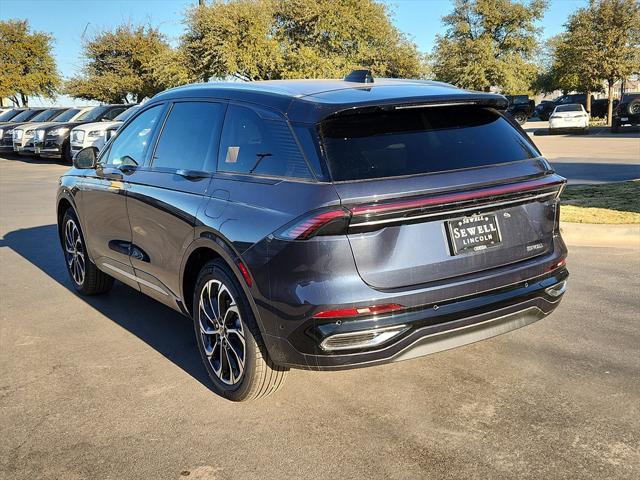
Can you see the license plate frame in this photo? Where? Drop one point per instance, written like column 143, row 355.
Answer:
column 465, row 236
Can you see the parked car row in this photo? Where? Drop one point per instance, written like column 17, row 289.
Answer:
column 48, row 132
column 598, row 106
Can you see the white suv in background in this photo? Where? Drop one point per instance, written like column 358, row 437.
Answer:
column 95, row 134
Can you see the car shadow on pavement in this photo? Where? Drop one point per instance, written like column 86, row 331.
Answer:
column 160, row 327
column 34, row 160
column 584, row 172
column 599, row 132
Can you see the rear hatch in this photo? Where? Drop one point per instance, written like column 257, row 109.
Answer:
column 438, row 192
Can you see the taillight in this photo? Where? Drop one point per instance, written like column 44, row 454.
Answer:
column 442, row 199
column 326, row 222
column 359, row 311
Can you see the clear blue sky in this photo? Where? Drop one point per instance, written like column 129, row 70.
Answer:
column 69, row 20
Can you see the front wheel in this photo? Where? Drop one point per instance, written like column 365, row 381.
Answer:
column 521, row 118
column 228, row 338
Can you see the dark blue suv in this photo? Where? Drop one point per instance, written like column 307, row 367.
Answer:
column 320, row 224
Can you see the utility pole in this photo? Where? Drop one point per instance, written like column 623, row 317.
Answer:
column 201, row 3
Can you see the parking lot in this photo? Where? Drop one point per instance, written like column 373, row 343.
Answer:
column 112, row 387
column 600, row 156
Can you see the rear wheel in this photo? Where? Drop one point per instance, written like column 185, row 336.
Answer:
column 85, row 276
column 228, row 338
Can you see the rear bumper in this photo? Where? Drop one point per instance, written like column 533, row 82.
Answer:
column 561, row 125
column 628, row 119
column 428, row 329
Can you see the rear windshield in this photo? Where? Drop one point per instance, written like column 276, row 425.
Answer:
column 419, row 140
column 569, row 108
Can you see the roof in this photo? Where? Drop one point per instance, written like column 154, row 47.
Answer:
column 309, row 101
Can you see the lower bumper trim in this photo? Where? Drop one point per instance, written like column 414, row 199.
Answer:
column 470, row 334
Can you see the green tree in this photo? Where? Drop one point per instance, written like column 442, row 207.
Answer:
column 575, row 57
column 276, row 39
column 127, row 64
column 489, row 43
column 27, row 67
column 616, row 39
column 601, row 44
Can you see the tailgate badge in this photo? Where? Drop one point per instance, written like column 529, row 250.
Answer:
column 535, row 246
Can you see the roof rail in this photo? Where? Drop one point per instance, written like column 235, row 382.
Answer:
column 360, row 76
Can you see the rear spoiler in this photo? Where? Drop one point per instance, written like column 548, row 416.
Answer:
column 303, row 111
column 490, row 100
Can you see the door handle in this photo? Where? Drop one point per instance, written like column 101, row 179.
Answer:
column 127, row 169
column 110, row 173
column 191, row 174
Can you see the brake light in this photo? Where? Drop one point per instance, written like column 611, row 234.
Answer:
column 359, row 311
column 458, row 197
column 328, row 222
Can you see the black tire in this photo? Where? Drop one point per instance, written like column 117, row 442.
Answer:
column 520, row 117
column 92, row 281
column 221, row 348
column 66, row 152
column 634, row 107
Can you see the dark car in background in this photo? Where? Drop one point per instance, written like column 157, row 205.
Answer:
column 627, row 112
column 598, row 106
column 53, row 140
column 520, row 107
column 7, row 126
column 320, row 225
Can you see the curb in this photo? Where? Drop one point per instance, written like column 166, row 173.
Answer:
column 601, row 235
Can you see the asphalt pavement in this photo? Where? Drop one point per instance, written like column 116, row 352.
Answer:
column 112, row 386
column 598, row 157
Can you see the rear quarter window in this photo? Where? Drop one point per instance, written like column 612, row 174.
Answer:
column 419, row 140
column 252, row 144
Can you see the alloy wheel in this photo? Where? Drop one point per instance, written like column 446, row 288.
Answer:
column 74, row 252
column 222, row 332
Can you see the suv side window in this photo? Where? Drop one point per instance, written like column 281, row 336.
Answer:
column 132, row 143
column 189, row 138
column 263, row 146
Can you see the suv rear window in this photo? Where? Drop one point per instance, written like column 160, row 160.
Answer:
column 572, row 107
column 419, row 140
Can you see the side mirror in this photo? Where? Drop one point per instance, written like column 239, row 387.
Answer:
column 86, row 158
